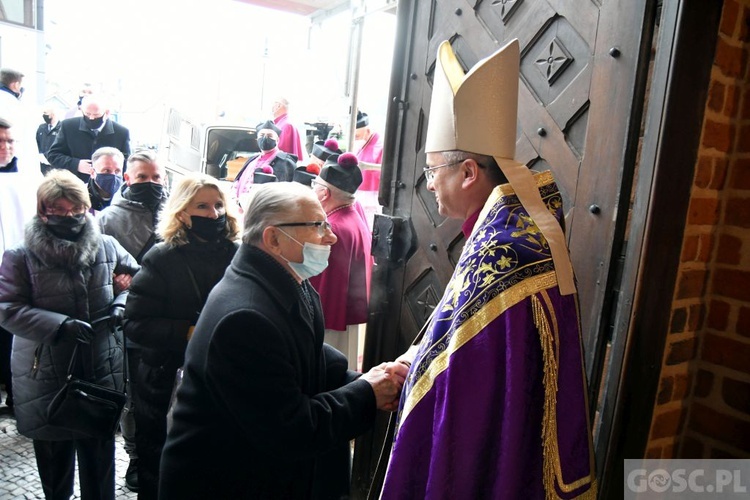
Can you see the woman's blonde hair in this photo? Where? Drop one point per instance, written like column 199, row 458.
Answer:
column 59, row 184
column 170, row 228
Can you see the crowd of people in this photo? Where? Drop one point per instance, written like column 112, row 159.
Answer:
column 234, row 313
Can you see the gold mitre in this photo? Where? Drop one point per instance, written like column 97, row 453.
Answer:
column 476, row 111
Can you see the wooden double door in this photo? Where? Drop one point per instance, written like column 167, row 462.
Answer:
column 583, row 70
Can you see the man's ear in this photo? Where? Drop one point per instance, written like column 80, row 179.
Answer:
column 271, row 240
column 470, row 172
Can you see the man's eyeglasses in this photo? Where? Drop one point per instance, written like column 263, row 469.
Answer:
column 321, row 225
column 429, row 172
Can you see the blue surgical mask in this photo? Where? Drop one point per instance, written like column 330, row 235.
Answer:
column 109, row 183
column 314, row 259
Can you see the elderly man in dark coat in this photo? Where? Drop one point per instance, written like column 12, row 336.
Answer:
column 79, row 137
column 266, row 409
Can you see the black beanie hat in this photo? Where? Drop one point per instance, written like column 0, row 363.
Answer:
column 342, row 171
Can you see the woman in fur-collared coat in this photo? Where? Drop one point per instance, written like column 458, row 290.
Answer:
column 57, row 290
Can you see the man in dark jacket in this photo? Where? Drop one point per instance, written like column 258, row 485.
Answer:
column 131, row 220
column 266, row 409
column 46, row 134
column 79, row 137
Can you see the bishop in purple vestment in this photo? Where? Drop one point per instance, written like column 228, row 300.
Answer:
column 495, row 403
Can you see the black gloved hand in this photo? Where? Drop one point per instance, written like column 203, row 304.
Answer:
column 116, row 315
column 78, row 330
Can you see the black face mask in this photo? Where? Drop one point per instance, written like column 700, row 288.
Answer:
column 266, row 143
column 66, row 227
column 206, row 228
column 148, row 193
column 47, row 119
column 93, row 123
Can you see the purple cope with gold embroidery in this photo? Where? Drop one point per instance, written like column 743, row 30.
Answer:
column 495, row 402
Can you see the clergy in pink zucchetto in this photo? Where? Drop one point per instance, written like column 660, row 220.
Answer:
column 495, row 402
column 344, row 286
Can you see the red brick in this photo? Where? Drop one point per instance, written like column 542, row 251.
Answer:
column 743, row 146
column 691, row 448
column 729, row 18
column 740, row 176
column 668, row 424
column 696, row 314
column 703, row 211
column 729, row 250
column 726, row 352
column 705, row 247
column 692, row 284
column 716, row 96
column 732, row 283
column 738, row 212
column 704, row 170
column 704, row 381
column 732, row 101
column 665, row 391
column 717, row 135
column 681, row 351
column 690, row 249
column 743, row 322
column 679, row 320
column 729, row 58
column 681, row 386
column 746, row 103
column 721, row 427
column 736, row 394
column 719, row 177
column 718, row 315
column 745, row 25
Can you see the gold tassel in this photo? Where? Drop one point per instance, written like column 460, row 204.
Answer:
column 549, row 420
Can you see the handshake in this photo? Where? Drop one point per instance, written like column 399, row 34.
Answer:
column 386, row 380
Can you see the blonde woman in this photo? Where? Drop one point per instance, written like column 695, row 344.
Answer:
column 165, row 299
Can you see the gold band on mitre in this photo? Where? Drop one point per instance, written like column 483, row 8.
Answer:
column 477, row 112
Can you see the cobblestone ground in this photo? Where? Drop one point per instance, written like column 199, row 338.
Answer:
column 18, row 476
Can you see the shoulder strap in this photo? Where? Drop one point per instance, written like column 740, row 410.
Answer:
column 192, row 277
column 146, row 247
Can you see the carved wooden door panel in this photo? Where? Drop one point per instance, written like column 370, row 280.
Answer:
column 582, row 64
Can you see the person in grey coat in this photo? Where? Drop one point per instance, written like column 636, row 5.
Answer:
column 57, row 290
column 131, row 219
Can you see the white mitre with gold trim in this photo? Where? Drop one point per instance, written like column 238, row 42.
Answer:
column 476, row 112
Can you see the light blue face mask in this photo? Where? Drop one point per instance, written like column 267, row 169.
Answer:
column 314, row 259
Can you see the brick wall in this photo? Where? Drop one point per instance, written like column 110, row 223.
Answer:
column 703, row 402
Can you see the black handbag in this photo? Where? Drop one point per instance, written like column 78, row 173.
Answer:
column 84, row 408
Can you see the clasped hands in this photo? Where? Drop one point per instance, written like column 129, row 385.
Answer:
column 387, row 379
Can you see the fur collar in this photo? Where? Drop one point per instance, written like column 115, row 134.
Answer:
column 57, row 252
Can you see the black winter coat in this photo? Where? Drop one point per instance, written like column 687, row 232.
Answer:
column 75, row 142
column 265, row 410
column 163, row 303
column 43, row 283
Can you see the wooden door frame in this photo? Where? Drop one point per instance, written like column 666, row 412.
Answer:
column 674, row 121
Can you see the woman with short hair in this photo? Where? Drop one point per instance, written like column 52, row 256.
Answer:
column 165, row 299
column 58, row 291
